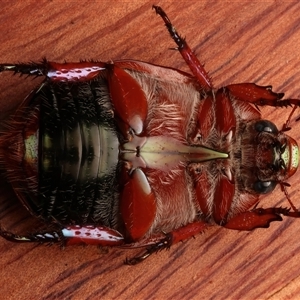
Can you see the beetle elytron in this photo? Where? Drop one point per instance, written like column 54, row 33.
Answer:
column 130, row 154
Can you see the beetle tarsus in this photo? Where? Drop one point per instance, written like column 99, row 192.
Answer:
column 164, row 243
column 30, row 69
column 13, row 237
column 190, row 58
column 137, row 259
column 45, row 237
column 174, row 34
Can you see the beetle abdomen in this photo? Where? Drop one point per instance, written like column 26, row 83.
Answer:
column 77, row 154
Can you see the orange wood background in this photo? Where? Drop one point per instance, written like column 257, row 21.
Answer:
column 239, row 41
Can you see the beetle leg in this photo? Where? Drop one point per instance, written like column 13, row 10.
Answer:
column 260, row 95
column 164, row 243
column 190, row 58
column 81, row 71
column 30, row 69
column 171, row 238
column 91, row 235
column 137, row 205
column 128, row 99
column 71, row 235
column 49, row 237
column 259, row 218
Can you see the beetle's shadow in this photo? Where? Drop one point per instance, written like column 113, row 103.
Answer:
column 13, row 215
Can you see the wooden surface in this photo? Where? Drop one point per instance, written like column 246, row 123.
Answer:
column 238, row 42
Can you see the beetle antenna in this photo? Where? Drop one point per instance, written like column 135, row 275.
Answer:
column 285, row 126
column 283, row 186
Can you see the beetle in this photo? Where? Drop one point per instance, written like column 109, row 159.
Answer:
column 131, row 154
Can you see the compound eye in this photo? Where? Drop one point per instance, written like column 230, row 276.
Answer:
column 264, row 187
column 266, row 126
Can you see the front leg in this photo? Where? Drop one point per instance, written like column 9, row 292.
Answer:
column 259, row 218
column 259, row 95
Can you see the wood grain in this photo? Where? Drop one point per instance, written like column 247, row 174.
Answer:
column 238, row 42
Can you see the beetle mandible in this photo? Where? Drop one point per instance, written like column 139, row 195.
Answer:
column 131, row 154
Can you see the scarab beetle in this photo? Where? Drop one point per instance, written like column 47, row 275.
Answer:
column 131, row 154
